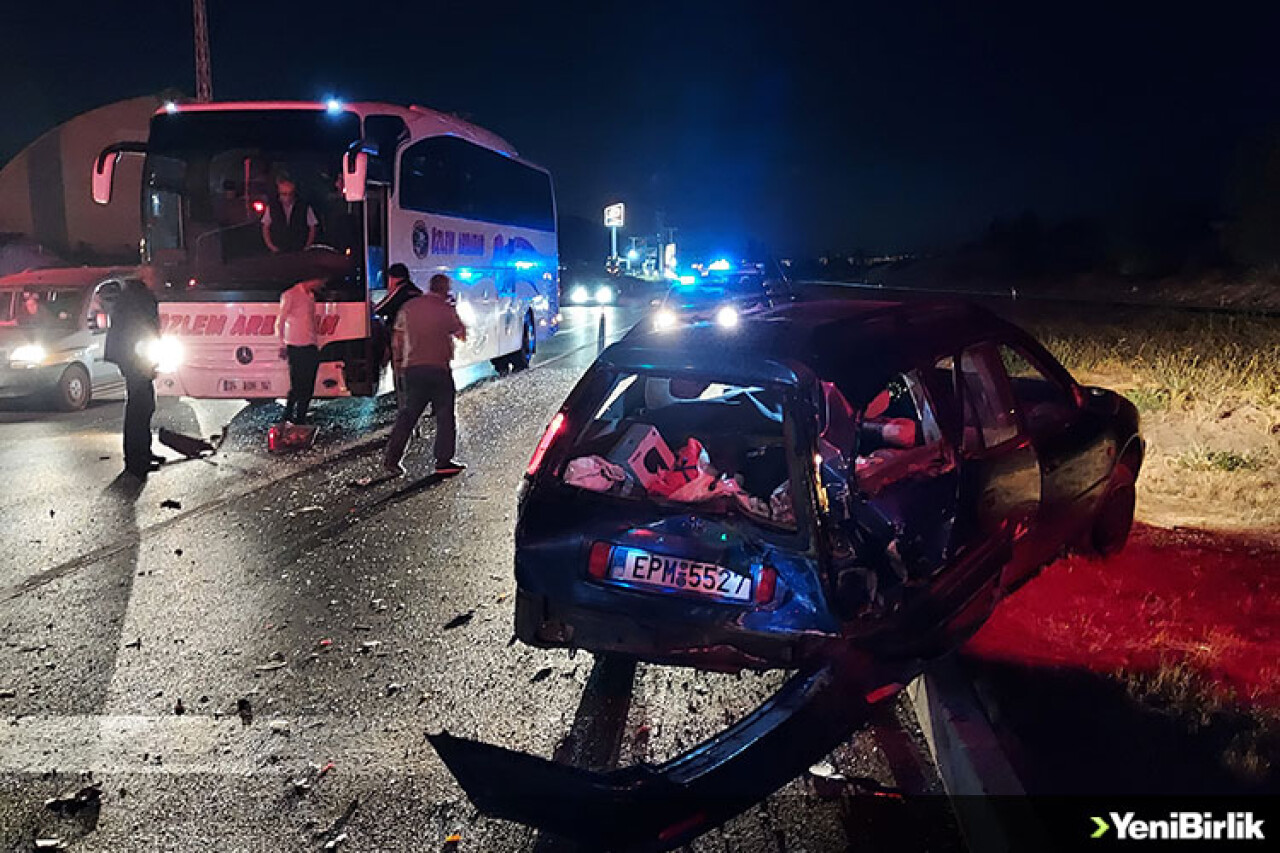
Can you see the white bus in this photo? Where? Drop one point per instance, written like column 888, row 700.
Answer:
column 383, row 184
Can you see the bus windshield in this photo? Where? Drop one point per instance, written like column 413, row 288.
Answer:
column 251, row 200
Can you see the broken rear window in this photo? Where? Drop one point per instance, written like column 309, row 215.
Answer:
column 685, row 440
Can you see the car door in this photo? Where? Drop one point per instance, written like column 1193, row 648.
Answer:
column 1075, row 450
column 1001, row 483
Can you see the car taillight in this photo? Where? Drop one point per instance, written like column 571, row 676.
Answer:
column 766, row 584
column 553, row 431
column 598, row 560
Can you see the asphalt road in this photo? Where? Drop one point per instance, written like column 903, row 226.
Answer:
column 246, row 651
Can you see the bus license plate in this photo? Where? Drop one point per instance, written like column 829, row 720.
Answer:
column 633, row 567
column 246, row 386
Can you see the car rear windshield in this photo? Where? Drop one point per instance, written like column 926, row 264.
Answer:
column 719, row 446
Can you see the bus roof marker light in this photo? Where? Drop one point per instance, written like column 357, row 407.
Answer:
column 720, row 266
column 687, row 279
column 170, row 107
column 465, row 274
column 332, row 106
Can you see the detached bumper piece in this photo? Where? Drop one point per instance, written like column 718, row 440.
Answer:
column 647, row 807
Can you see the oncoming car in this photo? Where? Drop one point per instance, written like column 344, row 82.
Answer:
column 818, row 475
column 52, row 332
column 721, row 293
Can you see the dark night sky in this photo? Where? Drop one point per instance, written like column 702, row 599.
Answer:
column 803, row 126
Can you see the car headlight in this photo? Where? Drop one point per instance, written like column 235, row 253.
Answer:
column 164, row 352
column 579, row 295
column 727, row 317
column 664, row 319
column 604, row 294
column 31, row 354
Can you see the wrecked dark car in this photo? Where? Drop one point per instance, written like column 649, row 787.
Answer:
column 820, row 477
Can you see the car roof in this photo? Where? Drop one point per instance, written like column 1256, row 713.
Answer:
column 857, row 344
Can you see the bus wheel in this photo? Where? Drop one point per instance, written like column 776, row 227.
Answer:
column 74, row 389
column 528, row 345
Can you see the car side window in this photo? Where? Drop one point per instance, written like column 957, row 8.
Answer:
column 898, row 436
column 988, row 405
column 1042, row 400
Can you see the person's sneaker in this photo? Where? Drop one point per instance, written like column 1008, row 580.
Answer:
column 447, row 469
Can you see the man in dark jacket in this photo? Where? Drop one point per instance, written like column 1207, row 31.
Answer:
column 289, row 223
column 132, row 334
column 400, row 289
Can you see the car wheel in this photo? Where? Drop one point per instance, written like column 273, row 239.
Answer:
column 74, row 390
column 528, row 346
column 1114, row 520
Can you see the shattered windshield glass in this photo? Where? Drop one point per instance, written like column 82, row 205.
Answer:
column 683, row 440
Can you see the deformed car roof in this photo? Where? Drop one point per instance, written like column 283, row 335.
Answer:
column 856, row 344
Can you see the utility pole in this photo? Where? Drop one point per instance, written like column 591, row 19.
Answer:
column 204, row 74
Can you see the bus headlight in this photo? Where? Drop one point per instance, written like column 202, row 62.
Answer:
column 164, row 352
column 664, row 320
column 579, row 295
column 604, row 294
column 29, row 355
column 727, row 317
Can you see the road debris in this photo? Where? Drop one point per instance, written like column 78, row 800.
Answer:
column 393, row 688
column 192, row 448
column 336, row 834
column 459, row 620
column 8, row 693
column 336, row 841
column 179, row 708
column 170, row 503
column 73, row 802
column 136, row 644
column 541, row 674
column 369, row 646
column 452, row 841
column 50, row 844
column 277, row 661
column 280, row 727
column 244, row 710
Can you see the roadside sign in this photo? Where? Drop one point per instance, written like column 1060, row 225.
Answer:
column 614, row 215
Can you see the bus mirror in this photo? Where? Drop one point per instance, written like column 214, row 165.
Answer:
column 355, row 171
column 104, row 169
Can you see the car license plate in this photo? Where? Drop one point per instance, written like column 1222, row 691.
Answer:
column 633, row 567
column 245, row 386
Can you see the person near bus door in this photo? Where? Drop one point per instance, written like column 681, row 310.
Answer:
column 400, row 289
column 299, row 341
column 289, row 223
column 133, row 328
column 422, row 343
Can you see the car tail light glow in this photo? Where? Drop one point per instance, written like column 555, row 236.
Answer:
column 766, row 584
column 598, row 560
column 548, row 438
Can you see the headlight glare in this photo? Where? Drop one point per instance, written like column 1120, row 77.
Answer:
column 579, row 295
column 727, row 317
column 664, row 320
column 604, row 294
column 29, row 354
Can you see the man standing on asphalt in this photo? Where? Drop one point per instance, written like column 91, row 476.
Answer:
column 422, row 343
column 400, row 289
column 134, row 328
column 300, row 345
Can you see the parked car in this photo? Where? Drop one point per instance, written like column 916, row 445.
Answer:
column 763, row 495
column 52, row 330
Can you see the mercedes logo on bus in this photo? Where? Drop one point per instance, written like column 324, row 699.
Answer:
column 244, row 355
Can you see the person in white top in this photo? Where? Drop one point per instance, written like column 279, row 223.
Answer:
column 299, row 341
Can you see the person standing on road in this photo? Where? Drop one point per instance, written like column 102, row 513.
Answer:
column 300, row 345
column 400, row 289
column 422, row 342
column 133, row 329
